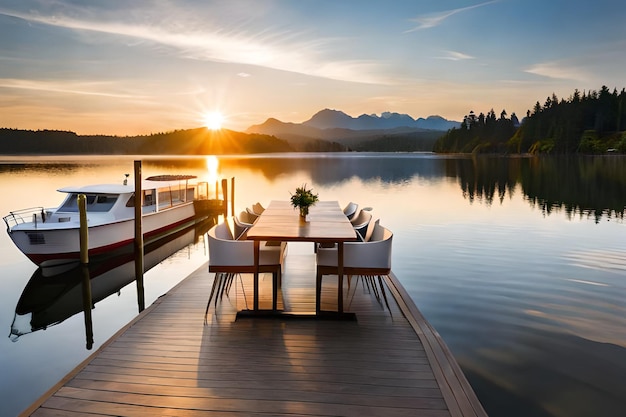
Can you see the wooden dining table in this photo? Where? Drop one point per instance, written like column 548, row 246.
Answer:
column 325, row 223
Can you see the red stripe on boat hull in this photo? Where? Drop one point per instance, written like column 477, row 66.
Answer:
column 64, row 257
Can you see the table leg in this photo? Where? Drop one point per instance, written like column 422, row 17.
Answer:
column 318, row 293
column 340, row 277
column 274, row 291
column 257, row 245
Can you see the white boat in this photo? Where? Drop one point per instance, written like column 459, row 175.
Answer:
column 51, row 236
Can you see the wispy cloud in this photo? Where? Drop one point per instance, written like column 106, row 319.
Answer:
column 281, row 50
column 558, row 70
column 65, row 86
column 455, row 56
column 435, row 19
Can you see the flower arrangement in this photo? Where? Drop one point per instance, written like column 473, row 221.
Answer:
column 303, row 198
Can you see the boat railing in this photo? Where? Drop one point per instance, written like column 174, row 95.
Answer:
column 32, row 214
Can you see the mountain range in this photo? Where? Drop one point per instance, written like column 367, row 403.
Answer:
column 367, row 132
column 335, row 119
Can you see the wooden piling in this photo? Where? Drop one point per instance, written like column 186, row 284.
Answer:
column 139, row 238
column 87, row 306
column 225, row 196
column 84, row 233
column 232, row 196
column 84, row 263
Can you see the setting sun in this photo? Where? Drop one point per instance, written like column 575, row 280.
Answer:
column 213, row 120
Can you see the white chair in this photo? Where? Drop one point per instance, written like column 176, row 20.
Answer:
column 367, row 259
column 228, row 257
column 246, row 217
column 370, row 230
column 240, row 227
column 360, row 222
column 252, row 215
column 258, row 209
column 350, row 210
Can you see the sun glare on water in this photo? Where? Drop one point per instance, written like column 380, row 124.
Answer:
column 211, row 176
column 213, row 120
column 212, row 165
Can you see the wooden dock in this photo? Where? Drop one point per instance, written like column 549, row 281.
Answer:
column 169, row 362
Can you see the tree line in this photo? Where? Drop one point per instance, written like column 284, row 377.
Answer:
column 593, row 122
column 199, row 141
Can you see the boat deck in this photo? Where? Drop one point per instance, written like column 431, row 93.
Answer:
column 169, row 362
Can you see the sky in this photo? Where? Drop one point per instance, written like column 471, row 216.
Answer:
column 120, row 67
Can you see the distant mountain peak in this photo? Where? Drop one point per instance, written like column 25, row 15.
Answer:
column 332, row 119
column 328, row 118
column 336, row 119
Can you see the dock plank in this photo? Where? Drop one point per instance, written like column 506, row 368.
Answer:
column 168, row 361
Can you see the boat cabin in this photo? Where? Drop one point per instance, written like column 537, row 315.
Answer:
column 110, row 202
column 157, row 195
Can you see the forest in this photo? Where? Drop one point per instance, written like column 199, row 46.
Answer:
column 593, row 122
column 199, row 141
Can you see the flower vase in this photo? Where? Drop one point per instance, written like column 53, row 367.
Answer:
column 304, row 211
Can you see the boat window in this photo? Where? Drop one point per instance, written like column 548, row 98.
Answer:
column 148, row 198
column 70, row 204
column 102, row 203
column 95, row 203
column 165, row 198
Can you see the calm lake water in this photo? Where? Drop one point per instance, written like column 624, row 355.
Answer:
column 520, row 264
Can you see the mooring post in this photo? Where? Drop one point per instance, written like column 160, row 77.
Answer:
column 84, row 229
column 225, row 197
column 232, row 196
column 139, row 239
column 84, row 265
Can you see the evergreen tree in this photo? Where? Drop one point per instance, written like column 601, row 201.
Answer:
column 591, row 122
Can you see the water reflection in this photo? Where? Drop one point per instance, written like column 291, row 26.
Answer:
column 486, row 178
column 592, row 187
column 331, row 169
column 589, row 186
column 54, row 294
column 580, row 186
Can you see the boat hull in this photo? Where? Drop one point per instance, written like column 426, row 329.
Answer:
column 47, row 246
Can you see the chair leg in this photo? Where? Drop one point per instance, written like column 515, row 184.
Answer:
column 223, row 283
column 275, row 279
column 231, row 279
